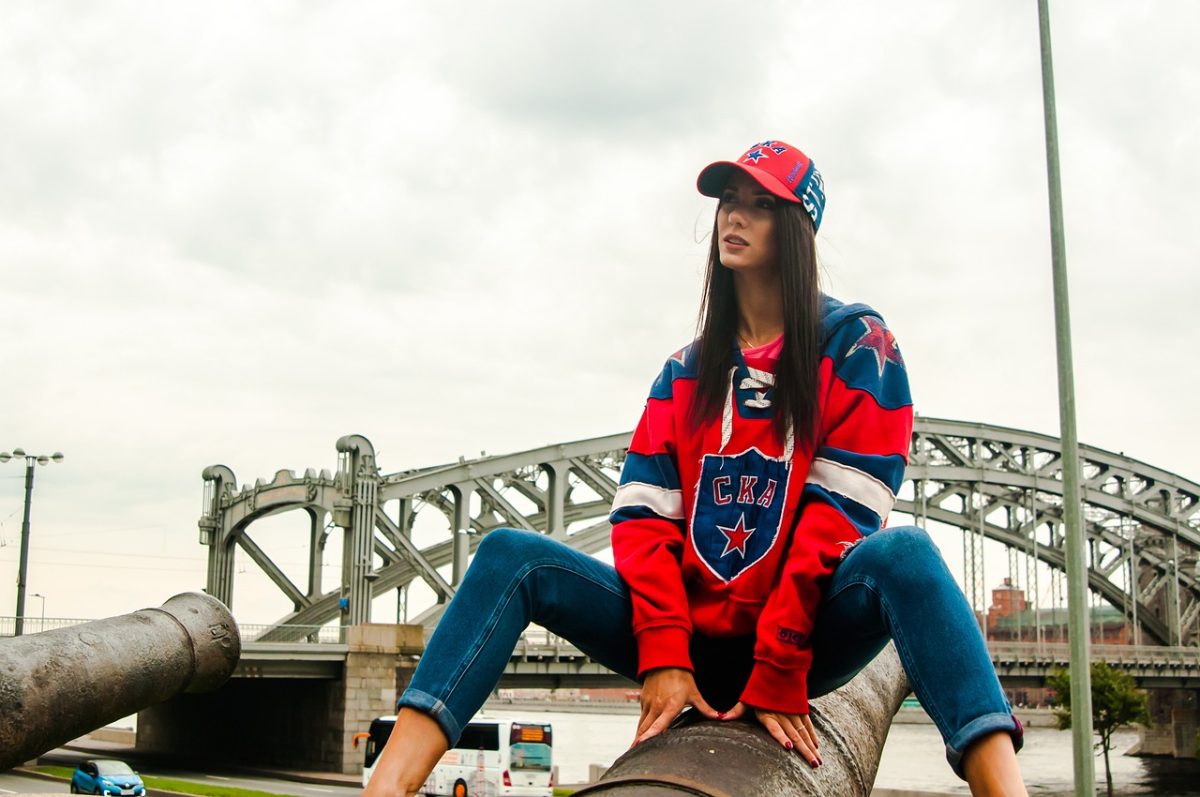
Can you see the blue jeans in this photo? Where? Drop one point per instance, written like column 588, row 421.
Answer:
column 892, row 585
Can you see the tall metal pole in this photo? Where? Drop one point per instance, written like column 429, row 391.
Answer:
column 1174, row 618
column 23, row 569
column 1037, row 591
column 1133, row 581
column 1081, row 682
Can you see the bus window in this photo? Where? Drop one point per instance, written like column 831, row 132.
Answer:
column 380, row 731
column 531, row 756
column 530, row 747
column 479, row 737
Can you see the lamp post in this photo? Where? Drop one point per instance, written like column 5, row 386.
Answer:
column 30, row 461
column 1076, row 562
column 42, row 627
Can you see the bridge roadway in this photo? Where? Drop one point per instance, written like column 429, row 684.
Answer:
column 542, row 660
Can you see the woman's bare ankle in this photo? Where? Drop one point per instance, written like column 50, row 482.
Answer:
column 991, row 769
column 411, row 752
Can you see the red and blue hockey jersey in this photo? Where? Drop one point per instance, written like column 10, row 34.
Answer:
column 729, row 531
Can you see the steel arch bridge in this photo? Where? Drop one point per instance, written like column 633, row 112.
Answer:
column 1142, row 523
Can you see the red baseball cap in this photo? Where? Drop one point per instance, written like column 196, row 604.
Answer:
column 780, row 168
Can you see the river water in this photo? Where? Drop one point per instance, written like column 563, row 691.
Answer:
column 913, row 758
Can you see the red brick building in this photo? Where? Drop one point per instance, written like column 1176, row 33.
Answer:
column 1011, row 619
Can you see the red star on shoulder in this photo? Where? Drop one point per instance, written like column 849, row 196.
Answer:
column 880, row 341
column 736, row 537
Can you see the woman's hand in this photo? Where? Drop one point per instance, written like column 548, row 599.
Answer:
column 665, row 692
column 793, row 731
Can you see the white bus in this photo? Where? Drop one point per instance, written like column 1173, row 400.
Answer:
column 493, row 758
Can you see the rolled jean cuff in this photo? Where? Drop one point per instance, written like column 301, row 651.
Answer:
column 427, row 703
column 979, row 727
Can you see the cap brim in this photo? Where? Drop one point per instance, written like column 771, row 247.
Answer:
column 714, row 176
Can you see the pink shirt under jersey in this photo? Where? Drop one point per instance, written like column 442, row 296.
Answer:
column 769, row 350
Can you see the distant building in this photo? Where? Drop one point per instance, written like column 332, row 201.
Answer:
column 1011, row 619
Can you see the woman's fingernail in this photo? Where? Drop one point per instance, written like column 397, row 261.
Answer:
column 787, row 745
column 720, row 715
column 815, row 763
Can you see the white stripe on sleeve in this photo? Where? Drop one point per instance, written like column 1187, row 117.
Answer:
column 663, row 502
column 852, row 483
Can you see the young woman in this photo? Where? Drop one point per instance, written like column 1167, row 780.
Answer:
column 752, row 567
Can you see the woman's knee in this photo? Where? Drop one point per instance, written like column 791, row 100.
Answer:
column 504, row 547
column 505, row 552
column 900, row 555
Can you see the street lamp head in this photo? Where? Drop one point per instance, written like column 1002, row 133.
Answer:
column 41, row 459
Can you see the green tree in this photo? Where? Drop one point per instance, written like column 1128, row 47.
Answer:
column 1116, row 701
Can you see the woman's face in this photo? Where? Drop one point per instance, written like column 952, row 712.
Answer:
column 746, row 225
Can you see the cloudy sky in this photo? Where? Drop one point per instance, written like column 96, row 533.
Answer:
column 234, row 232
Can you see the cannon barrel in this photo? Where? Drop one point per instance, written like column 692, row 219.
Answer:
column 730, row 759
column 61, row 684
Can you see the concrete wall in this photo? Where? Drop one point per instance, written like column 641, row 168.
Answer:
column 302, row 723
column 1175, row 714
column 378, row 668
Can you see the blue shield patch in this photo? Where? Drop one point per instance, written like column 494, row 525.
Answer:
column 738, row 509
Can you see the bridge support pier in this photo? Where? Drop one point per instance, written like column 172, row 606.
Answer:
column 1176, row 730
column 299, row 722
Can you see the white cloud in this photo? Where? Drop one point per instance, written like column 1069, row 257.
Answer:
column 234, row 233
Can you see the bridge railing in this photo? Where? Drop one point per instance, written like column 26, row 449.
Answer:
column 1053, row 653
column 314, row 634
column 35, row 625
column 538, row 643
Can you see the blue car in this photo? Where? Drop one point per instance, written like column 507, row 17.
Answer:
column 106, row 776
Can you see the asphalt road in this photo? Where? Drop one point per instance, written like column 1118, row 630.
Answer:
column 17, row 783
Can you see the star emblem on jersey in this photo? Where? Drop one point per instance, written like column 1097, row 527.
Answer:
column 878, row 340
column 738, row 510
column 736, row 537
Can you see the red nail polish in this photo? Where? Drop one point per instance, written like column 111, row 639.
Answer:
column 720, row 715
column 787, row 745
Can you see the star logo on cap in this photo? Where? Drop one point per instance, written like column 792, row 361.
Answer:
column 736, row 537
column 774, row 146
column 878, row 340
column 754, row 155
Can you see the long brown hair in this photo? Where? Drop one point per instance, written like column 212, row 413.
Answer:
column 794, row 396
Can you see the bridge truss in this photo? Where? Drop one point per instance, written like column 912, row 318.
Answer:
column 1142, row 523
